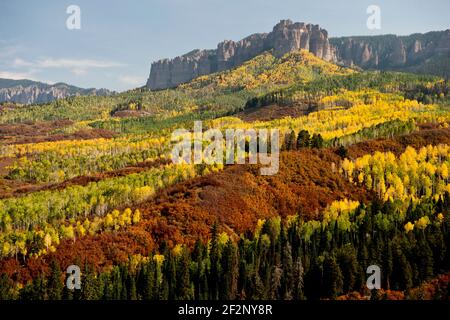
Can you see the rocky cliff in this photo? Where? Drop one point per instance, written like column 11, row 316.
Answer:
column 422, row 53
column 416, row 52
column 285, row 37
column 29, row 92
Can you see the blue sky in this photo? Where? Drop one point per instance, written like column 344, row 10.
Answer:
column 119, row 39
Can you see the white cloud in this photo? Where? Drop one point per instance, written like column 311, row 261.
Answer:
column 76, row 66
column 75, row 63
column 21, row 63
column 16, row 75
column 79, row 72
column 131, row 80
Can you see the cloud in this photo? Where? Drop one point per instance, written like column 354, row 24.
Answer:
column 76, row 66
column 76, row 63
column 16, row 75
column 131, row 80
column 78, row 72
column 21, row 63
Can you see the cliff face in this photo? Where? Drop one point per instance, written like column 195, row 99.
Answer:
column 29, row 92
column 422, row 53
column 390, row 52
column 286, row 36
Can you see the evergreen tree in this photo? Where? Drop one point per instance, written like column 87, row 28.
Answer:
column 317, row 141
column 55, row 283
column 342, row 152
column 332, row 278
column 275, row 283
column 314, row 281
column 146, row 281
column 228, row 282
column 290, row 141
column 402, row 272
column 303, row 139
column 348, row 264
column 425, row 261
column 288, row 271
column 388, row 265
column 214, row 268
column 91, row 288
column 297, row 281
column 183, row 284
column 6, row 288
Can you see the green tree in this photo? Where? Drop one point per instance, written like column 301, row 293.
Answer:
column 317, row 141
column 303, row 139
column 55, row 283
column 332, row 278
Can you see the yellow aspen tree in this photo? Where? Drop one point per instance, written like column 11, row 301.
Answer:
column 136, row 216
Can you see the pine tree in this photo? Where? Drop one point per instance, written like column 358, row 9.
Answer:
column 36, row 290
column 132, row 290
column 425, row 261
column 183, row 284
column 290, row 142
column 303, row 139
column 332, row 278
column 124, row 278
column 314, row 281
column 55, row 282
column 342, row 152
column 402, row 272
column 213, row 274
column 228, row 281
column 91, row 289
column 288, row 269
column 349, row 267
column 317, row 141
column 146, row 281
column 6, row 288
column 275, row 283
column 297, row 281
column 388, row 265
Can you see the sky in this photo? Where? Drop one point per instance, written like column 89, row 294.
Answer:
column 118, row 40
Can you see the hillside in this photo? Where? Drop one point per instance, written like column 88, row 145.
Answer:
column 266, row 71
column 363, row 171
column 218, row 93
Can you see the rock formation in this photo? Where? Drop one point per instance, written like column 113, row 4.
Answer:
column 390, row 52
column 386, row 52
column 285, row 37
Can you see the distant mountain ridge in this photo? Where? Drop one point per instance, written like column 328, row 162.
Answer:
column 420, row 53
column 30, row 92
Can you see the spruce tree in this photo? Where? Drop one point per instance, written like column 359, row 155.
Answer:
column 6, row 288
column 332, row 278
column 290, row 141
column 213, row 274
column 317, row 141
column 303, row 139
column 55, row 282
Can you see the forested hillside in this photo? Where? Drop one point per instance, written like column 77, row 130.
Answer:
column 363, row 180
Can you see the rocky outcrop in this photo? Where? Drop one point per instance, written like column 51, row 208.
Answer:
column 286, row 36
column 390, row 52
column 29, row 92
column 423, row 53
